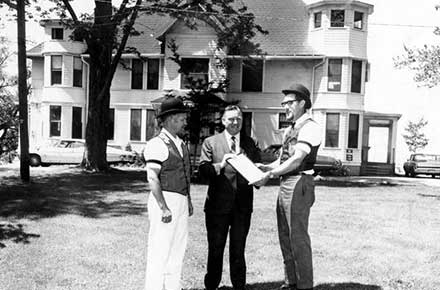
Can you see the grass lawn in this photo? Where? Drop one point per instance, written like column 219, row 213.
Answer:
column 73, row 230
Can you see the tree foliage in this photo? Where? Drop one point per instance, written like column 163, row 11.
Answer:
column 8, row 104
column 414, row 138
column 424, row 61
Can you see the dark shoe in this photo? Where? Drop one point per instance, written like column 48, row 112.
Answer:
column 286, row 286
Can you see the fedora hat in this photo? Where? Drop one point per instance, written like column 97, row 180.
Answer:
column 301, row 91
column 171, row 106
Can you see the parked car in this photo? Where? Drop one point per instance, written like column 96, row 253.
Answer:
column 71, row 151
column 324, row 164
column 420, row 163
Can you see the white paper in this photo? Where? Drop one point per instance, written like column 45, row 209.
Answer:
column 246, row 167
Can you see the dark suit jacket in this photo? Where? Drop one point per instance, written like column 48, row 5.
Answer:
column 229, row 189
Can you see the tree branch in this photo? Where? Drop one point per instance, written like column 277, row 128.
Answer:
column 71, row 11
column 116, row 58
column 9, row 3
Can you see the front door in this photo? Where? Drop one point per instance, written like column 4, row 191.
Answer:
column 378, row 144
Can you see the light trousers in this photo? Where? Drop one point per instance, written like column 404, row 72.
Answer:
column 295, row 198
column 166, row 243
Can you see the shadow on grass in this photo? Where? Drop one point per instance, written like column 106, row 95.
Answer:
column 74, row 191
column 325, row 286
column 356, row 183
column 14, row 233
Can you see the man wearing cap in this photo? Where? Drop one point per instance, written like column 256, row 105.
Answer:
column 169, row 204
column 228, row 205
column 297, row 188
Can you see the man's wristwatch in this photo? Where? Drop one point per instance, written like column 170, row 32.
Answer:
column 271, row 175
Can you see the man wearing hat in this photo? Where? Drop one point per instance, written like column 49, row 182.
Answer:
column 169, row 204
column 297, row 188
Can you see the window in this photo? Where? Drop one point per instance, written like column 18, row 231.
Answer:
column 367, row 71
column 334, row 74
column 358, row 19
column 197, row 72
column 137, row 69
column 150, row 125
column 332, row 130
column 356, row 76
column 111, row 125
column 77, row 72
column 337, row 18
column 135, row 124
column 247, row 123
column 55, row 121
column 353, row 131
column 317, row 16
column 76, row 122
column 153, row 74
column 57, row 33
column 282, row 122
column 252, row 76
column 56, row 71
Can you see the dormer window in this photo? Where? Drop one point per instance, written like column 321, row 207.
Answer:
column 358, row 20
column 317, row 16
column 58, row 33
column 197, row 70
column 337, row 18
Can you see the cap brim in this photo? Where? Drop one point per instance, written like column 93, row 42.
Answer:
column 173, row 111
column 286, row 92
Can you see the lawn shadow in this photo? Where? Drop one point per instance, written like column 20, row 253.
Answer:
column 325, row 286
column 356, row 183
column 74, row 191
column 15, row 233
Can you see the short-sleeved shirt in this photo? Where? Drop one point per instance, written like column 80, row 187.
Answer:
column 157, row 150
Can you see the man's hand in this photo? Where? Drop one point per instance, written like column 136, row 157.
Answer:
column 166, row 216
column 263, row 167
column 262, row 181
column 190, row 208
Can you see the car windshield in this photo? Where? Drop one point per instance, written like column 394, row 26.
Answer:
column 426, row 157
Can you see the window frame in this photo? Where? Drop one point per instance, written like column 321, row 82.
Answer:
column 336, row 23
column 334, row 77
column 317, row 23
column 153, row 77
column 111, row 124
column 56, row 73
column 194, row 74
column 135, row 131
column 251, row 76
column 329, row 143
column 55, row 121
column 55, row 33
column 356, row 78
column 361, row 21
column 282, row 122
column 77, row 73
column 137, row 74
column 150, row 123
column 353, row 135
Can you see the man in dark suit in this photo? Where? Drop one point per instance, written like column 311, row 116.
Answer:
column 228, row 205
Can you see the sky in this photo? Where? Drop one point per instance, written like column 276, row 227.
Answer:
column 393, row 24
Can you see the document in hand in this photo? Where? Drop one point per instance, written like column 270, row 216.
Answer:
column 245, row 167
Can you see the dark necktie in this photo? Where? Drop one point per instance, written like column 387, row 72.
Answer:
column 233, row 144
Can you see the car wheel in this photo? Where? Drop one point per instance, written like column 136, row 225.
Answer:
column 406, row 173
column 34, row 160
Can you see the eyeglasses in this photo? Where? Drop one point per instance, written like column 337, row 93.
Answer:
column 289, row 102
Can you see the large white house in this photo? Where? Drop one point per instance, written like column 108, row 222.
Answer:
column 321, row 44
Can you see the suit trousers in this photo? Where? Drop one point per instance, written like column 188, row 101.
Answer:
column 217, row 226
column 166, row 243
column 296, row 197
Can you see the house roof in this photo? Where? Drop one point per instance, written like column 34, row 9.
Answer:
column 286, row 20
column 36, row 50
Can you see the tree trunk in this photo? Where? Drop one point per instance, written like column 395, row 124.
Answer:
column 22, row 92
column 100, row 49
